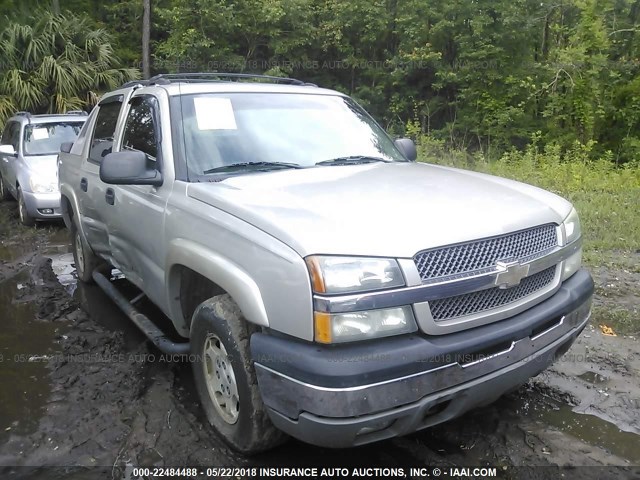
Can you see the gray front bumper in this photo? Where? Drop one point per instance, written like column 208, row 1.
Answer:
column 39, row 201
column 368, row 412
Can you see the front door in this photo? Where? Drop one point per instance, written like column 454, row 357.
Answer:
column 11, row 136
column 135, row 213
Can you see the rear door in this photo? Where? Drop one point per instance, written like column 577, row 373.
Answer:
column 91, row 190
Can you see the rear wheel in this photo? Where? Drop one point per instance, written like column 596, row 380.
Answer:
column 4, row 193
column 26, row 219
column 226, row 379
column 85, row 260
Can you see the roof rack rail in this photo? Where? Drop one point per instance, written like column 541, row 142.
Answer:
column 23, row 112
column 133, row 83
column 76, row 112
column 166, row 78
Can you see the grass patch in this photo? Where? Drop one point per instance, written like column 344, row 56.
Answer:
column 607, row 197
column 623, row 322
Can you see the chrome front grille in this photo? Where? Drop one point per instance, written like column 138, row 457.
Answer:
column 480, row 301
column 483, row 254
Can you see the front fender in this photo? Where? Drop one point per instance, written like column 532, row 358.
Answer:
column 22, row 177
column 67, row 192
column 233, row 279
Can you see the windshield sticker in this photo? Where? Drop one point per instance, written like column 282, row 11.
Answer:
column 214, row 113
column 39, row 133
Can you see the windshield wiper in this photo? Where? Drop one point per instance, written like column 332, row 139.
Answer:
column 250, row 166
column 352, row 160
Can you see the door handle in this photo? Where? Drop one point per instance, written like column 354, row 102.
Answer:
column 110, row 196
column 83, row 184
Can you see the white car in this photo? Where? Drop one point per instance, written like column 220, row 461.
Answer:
column 28, row 162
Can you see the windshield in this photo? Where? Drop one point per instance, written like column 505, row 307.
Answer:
column 254, row 132
column 46, row 138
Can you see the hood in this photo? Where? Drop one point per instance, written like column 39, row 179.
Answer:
column 43, row 165
column 381, row 209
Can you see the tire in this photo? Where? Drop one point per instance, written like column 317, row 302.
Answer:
column 4, row 193
column 85, row 260
column 220, row 348
column 26, row 219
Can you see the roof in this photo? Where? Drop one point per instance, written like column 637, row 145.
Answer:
column 189, row 83
column 26, row 117
column 229, row 87
column 167, row 78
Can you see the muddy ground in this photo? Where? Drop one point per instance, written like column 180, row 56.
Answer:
column 81, row 387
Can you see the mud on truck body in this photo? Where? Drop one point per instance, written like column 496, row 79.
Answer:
column 327, row 286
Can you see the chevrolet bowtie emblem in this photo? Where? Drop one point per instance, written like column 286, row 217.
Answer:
column 510, row 274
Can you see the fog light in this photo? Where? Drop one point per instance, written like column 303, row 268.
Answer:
column 375, row 427
column 579, row 315
column 46, row 211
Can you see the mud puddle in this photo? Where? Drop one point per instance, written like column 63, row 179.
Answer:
column 26, row 345
column 592, row 430
column 549, row 412
column 593, row 378
column 28, row 341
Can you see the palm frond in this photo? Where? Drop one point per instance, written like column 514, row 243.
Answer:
column 25, row 89
column 56, row 63
column 7, row 108
column 63, row 104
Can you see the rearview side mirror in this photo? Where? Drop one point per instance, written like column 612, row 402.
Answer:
column 66, row 147
column 130, row 167
column 408, row 148
column 8, row 150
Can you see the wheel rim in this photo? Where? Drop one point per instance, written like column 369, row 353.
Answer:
column 79, row 254
column 220, row 379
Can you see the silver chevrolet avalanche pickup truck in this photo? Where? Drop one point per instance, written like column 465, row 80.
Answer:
column 325, row 285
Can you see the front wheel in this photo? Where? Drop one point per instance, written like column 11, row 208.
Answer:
column 226, row 379
column 4, row 193
column 26, row 219
column 85, row 260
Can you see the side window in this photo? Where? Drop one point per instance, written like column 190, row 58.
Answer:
column 104, row 131
column 14, row 133
column 6, row 135
column 11, row 135
column 79, row 142
column 140, row 129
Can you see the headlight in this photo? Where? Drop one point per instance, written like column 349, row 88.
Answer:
column 41, row 185
column 365, row 325
column 353, row 274
column 571, row 226
column 572, row 232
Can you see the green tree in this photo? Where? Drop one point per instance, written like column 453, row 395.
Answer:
column 55, row 63
column 482, row 76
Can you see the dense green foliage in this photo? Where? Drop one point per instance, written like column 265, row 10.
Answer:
column 483, row 75
column 55, row 63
